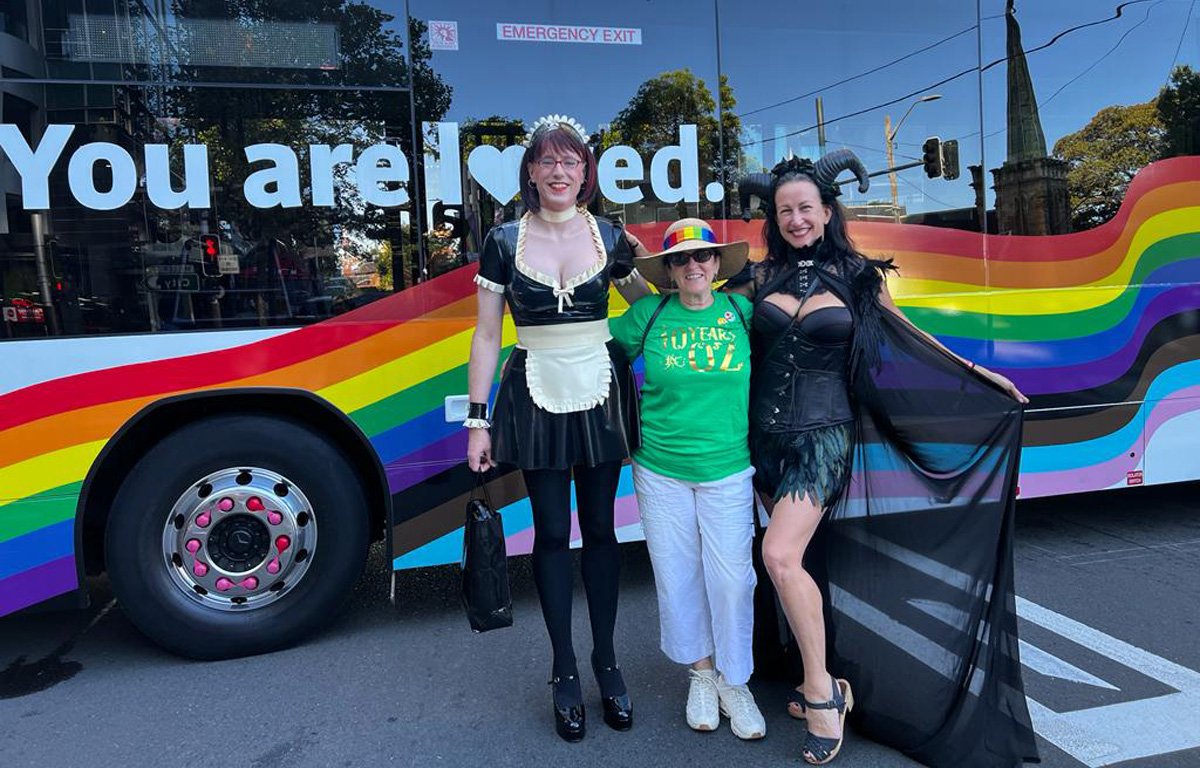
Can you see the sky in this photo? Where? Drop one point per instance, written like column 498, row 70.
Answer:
column 774, row 51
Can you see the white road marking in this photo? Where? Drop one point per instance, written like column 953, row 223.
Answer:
column 1031, row 656
column 1098, row 736
column 1127, row 730
column 1050, row 665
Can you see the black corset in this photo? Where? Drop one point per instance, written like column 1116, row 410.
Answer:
column 798, row 378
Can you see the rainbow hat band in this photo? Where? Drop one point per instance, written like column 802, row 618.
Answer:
column 688, row 233
column 691, row 235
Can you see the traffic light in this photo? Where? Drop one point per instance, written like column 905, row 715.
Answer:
column 931, row 156
column 949, row 155
column 210, row 254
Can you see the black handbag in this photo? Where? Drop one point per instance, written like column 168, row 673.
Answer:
column 485, row 591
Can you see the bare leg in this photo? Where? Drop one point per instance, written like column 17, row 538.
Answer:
column 705, row 663
column 793, row 522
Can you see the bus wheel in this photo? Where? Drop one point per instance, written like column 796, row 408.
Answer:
column 235, row 535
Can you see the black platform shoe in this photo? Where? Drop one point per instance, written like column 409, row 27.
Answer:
column 570, row 721
column 618, row 711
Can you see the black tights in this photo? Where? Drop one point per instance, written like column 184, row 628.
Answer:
column 550, row 498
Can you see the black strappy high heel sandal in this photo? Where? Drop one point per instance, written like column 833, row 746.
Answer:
column 618, row 711
column 795, row 704
column 819, row 750
column 569, row 721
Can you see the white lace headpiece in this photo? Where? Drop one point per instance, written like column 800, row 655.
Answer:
column 550, row 122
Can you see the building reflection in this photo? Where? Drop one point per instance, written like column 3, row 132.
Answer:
column 1031, row 186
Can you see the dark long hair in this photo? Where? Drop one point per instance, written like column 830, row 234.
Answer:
column 856, row 279
column 559, row 140
column 838, row 247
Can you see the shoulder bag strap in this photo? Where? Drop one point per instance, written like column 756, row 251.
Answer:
column 646, row 333
column 480, row 489
column 741, row 315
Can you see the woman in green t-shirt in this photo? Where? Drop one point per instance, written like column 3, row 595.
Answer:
column 692, row 472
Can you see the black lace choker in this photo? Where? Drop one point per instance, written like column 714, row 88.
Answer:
column 803, row 261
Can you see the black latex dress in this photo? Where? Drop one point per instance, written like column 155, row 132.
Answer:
column 914, row 558
column 530, row 437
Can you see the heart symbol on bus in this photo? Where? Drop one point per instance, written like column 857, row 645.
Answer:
column 497, row 172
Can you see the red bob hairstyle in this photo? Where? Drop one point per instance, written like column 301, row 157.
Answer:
column 558, row 140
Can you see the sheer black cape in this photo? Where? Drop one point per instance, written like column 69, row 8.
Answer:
column 915, row 558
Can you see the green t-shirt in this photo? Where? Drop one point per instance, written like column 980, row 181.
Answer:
column 696, row 394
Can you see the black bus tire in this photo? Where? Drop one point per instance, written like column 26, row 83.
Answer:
column 140, row 569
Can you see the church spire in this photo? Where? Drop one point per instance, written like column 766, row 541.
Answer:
column 1025, row 138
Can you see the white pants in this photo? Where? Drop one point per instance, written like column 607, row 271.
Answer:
column 700, row 537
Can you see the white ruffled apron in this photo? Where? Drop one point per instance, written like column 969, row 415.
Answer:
column 567, row 367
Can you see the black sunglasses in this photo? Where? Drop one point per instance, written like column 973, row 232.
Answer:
column 683, row 257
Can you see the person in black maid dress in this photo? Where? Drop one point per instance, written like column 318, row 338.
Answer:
column 566, row 406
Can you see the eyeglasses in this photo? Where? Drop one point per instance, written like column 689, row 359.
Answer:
column 683, row 257
column 568, row 163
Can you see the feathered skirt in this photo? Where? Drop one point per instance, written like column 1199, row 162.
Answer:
column 812, row 462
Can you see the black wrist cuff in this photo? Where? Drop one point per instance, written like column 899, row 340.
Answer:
column 477, row 410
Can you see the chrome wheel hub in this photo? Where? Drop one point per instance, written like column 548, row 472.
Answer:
column 239, row 539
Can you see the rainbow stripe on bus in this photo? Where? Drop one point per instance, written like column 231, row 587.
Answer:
column 1101, row 328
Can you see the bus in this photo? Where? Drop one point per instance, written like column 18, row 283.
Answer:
column 237, row 254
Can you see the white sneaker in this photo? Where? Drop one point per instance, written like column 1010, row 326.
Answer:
column 737, row 703
column 703, row 710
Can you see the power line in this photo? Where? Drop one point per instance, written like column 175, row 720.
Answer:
column 1090, row 67
column 873, row 149
column 1095, row 63
column 923, row 192
column 872, row 108
column 1117, row 13
column 852, row 78
column 1182, row 33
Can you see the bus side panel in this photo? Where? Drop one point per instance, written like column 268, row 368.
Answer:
column 1082, row 449
column 1172, row 426
column 37, row 548
column 54, row 425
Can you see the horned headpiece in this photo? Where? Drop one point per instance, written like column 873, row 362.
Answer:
column 824, row 173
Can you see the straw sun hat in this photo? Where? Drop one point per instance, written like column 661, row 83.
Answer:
column 692, row 235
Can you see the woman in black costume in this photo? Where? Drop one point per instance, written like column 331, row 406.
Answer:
column 566, row 399
column 859, row 415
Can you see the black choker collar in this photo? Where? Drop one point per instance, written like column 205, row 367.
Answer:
column 809, row 255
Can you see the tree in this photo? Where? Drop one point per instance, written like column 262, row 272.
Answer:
column 371, row 53
column 1179, row 110
column 497, row 131
column 652, row 118
column 1105, row 155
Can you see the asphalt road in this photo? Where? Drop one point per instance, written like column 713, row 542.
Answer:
column 1110, row 588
